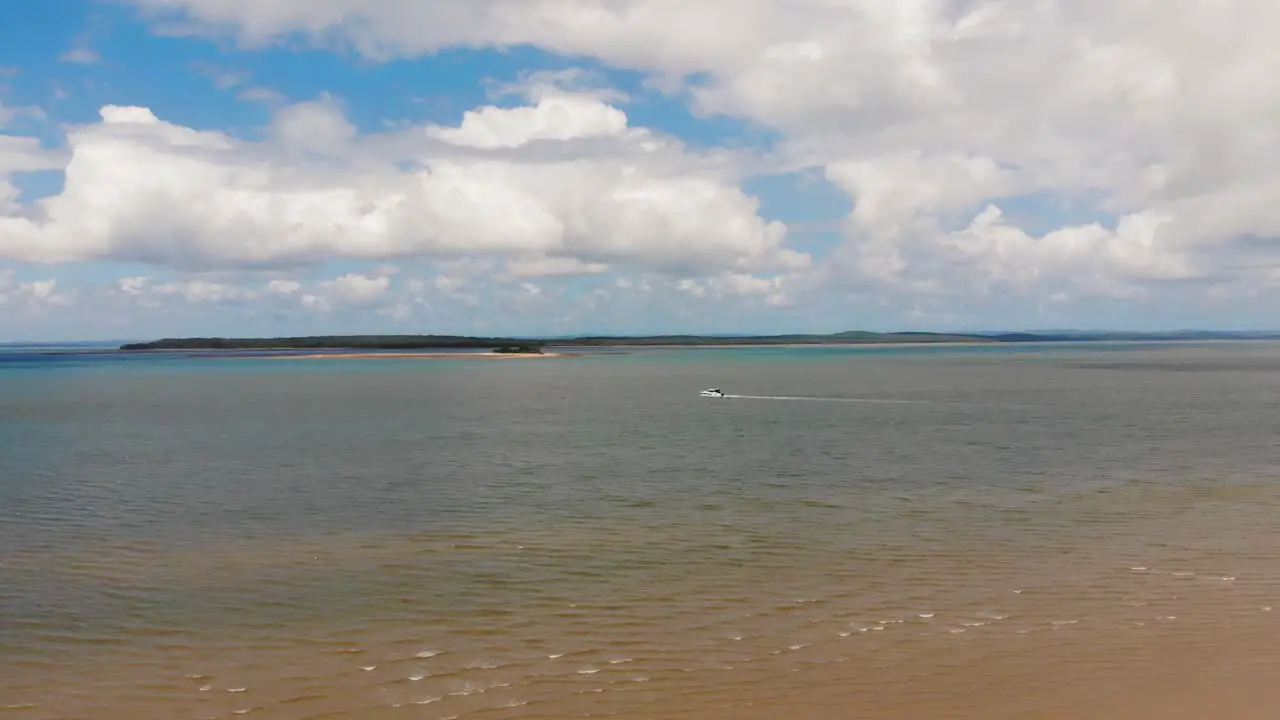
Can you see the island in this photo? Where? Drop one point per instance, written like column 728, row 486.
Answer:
column 385, row 344
column 522, row 349
column 331, row 342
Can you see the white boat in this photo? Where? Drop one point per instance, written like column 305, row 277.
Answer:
column 713, row 392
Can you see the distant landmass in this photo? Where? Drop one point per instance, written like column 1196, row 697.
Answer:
column 858, row 337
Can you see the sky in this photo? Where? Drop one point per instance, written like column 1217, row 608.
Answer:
column 552, row 167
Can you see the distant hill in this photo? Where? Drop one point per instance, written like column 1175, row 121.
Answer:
column 860, row 337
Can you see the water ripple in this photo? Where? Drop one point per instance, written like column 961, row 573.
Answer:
column 488, row 545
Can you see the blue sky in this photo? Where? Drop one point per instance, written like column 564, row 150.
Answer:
column 184, row 167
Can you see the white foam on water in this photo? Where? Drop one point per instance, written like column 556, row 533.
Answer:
column 878, row 401
column 926, row 615
column 427, row 654
column 367, row 668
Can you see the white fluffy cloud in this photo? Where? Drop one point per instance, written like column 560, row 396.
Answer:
column 555, row 118
column 240, row 303
column 19, row 154
column 935, row 115
column 31, row 296
column 564, row 185
column 356, row 289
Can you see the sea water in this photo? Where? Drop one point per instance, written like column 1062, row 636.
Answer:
column 1046, row 531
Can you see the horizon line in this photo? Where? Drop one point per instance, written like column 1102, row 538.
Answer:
column 571, row 336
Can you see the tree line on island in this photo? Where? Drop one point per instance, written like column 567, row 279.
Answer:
column 535, row 346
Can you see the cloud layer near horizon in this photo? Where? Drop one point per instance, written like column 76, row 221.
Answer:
column 1056, row 154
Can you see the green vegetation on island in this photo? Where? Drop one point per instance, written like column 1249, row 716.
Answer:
column 332, row 342
column 522, row 349
column 852, row 337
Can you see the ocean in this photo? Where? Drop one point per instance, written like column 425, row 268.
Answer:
column 989, row 532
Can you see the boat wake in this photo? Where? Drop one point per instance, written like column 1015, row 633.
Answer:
column 879, row 401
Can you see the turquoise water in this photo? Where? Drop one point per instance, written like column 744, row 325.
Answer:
column 900, row 532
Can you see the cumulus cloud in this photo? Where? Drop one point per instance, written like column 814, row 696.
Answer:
column 356, row 289
column 205, row 291
column 30, row 296
column 776, row 291
column 934, row 115
column 318, row 126
column 554, row 118
column 17, row 155
column 284, row 287
column 566, row 183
